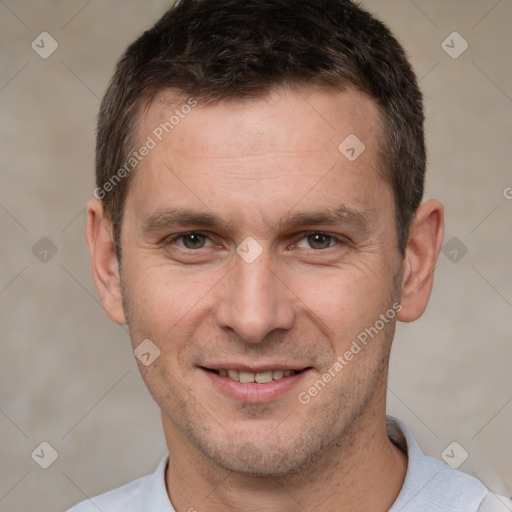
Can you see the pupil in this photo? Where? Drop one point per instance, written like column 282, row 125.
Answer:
column 319, row 240
column 194, row 241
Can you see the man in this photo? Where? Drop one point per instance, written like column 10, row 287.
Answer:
column 258, row 225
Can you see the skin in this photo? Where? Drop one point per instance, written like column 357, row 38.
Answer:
column 302, row 301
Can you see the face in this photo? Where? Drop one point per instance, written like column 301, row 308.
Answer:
column 252, row 249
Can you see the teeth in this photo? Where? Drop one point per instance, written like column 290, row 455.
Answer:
column 263, row 377
column 277, row 374
column 234, row 374
column 260, row 378
column 246, row 377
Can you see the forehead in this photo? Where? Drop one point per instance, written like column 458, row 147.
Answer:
column 319, row 116
column 263, row 152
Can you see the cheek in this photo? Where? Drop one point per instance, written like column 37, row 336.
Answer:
column 344, row 296
column 163, row 300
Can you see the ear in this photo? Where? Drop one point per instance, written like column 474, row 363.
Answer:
column 423, row 247
column 104, row 263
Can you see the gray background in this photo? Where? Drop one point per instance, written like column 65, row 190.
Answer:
column 67, row 374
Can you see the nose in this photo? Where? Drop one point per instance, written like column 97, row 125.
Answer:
column 254, row 301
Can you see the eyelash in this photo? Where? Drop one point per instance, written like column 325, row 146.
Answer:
column 336, row 239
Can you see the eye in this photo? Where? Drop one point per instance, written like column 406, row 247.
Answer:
column 318, row 241
column 192, row 240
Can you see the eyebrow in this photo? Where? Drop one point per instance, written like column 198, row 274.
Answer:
column 359, row 219
column 174, row 217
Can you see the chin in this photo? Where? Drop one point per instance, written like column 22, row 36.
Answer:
column 276, row 459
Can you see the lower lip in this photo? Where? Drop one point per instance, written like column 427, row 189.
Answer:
column 252, row 392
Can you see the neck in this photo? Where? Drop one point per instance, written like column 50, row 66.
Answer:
column 362, row 471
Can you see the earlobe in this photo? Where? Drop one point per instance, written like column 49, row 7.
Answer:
column 104, row 263
column 423, row 247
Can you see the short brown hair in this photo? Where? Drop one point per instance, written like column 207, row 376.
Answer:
column 213, row 50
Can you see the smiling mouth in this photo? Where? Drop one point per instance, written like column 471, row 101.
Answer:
column 258, row 378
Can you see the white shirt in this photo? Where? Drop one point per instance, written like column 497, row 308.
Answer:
column 430, row 486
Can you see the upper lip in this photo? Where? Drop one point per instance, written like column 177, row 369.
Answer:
column 252, row 368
